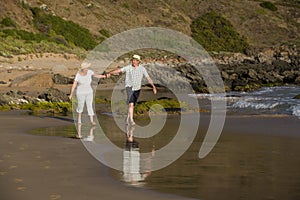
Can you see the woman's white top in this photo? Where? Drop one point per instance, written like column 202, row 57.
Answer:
column 84, row 83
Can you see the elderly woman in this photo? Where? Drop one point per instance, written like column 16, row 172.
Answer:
column 84, row 92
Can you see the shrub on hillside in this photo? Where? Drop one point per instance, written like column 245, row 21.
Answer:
column 215, row 33
column 268, row 5
column 72, row 32
column 24, row 35
column 8, row 22
column 105, row 33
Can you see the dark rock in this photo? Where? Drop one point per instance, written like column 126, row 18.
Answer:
column 289, row 76
column 3, row 100
column 15, row 97
column 54, row 95
column 60, row 79
column 297, row 80
column 3, row 82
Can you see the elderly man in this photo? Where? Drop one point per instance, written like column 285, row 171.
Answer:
column 133, row 81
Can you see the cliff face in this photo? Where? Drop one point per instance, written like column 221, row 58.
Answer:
column 261, row 26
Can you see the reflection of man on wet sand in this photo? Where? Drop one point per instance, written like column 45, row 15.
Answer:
column 133, row 81
column 135, row 168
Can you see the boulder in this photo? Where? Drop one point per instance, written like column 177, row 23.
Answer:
column 60, row 79
column 54, row 95
column 15, row 97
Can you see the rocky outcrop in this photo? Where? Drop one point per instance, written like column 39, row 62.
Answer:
column 297, row 96
column 61, row 79
column 16, row 97
column 247, row 72
column 54, row 95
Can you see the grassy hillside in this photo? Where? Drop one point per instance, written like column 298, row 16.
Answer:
column 255, row 22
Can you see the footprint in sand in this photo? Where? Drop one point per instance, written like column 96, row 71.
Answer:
column 21, row 188
column 3, row 173
column 23, row 147
column 13, row 167
column 37, row 154
column 47, row 167
column 55, row 196
column 47, row 164
column 6, row 156
column 18, row 180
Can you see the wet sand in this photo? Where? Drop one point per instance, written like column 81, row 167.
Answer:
column 44, row 167
column 256, row 157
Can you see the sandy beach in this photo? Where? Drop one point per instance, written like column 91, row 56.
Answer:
column 43, row 167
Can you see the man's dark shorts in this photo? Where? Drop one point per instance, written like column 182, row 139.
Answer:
column 132, row 96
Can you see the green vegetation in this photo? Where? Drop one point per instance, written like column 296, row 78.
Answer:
column 126, row 5
column 24, row 35
column 53, row 26
column 69, row 131
column 56, row 35
column 120, row 107
column 156, row 106
column 12, row 43
column 297, row 96
column 8, row 22
column 215, row 33
column 105, row 33
column 41, row 107
column 159, row 106
column 268, row 5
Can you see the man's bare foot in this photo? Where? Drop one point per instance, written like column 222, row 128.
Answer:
column 93, row 123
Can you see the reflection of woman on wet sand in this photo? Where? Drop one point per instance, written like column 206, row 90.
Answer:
column 84, row 91
column 89, row 137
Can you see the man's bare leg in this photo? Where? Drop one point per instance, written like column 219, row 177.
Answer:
column 130, row 113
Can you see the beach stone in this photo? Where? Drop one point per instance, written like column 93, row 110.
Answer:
column 35, row 79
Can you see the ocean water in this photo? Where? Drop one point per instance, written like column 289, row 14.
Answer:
column 267, row 100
